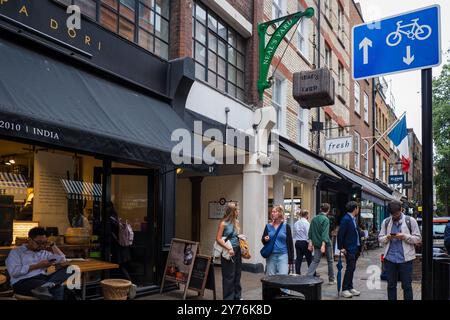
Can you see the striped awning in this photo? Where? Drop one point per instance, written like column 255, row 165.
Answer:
column 82, row 190
column 11, row 180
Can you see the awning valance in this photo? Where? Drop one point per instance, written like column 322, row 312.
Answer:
column 366, row 185
column 11, row 180
column 52, row 102
column 82, row 190
column 308, row 161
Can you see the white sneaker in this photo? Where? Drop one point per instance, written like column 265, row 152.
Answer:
column 347, row 294
column 355, row 292
column 332, row 282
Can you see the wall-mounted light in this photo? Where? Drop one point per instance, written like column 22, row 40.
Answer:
column 8, row 163
column 12, row 161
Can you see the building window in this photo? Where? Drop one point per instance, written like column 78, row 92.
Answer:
column 218, row 53
column 357, row 151
column 385, row 171
column 341, row 21
column 366, row 157
column 278, row 101
column 357, row 98
column 341, row 82
column 366, row 108
column 328, row 61
column 143, row 22
column 300, row 124
column 303, row 36
column 278, row 8
column 377, row 166
column 328, row 126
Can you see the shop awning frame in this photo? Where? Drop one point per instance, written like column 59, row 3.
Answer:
column 308, row 161
column 366, row 186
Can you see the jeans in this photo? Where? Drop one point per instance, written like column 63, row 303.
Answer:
column 301, row 248
column 25, row 286
column 393, row 271
column 231, row 276
column 349, row 271
column 316, row 260
column 277, row 263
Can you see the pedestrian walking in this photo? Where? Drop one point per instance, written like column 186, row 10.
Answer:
column 301, row 239
column 349, row 244
column 333, row 232
column 319, row 235
column 399, row 233
column 232, row 268
column 281, row 258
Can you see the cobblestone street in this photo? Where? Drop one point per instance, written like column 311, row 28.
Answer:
column 251, row 283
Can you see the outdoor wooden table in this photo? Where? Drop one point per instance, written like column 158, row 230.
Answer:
column 2, row 279
column 90, row 265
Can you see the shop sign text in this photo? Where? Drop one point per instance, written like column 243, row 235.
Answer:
column 339, row 145
column 13, row 127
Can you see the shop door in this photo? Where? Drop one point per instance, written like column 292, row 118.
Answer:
column 133, row 197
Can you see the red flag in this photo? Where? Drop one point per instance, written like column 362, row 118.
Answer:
column 405, row 164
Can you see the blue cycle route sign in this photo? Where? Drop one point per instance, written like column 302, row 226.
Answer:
column 409, row 41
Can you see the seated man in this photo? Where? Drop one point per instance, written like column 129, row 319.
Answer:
column 27, row 266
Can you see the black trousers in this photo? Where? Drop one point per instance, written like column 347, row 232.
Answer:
column 231, row 276
column 25, row 286
column 349, row 270
column 301, row 249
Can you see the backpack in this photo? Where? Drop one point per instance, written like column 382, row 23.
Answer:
column 126, row 234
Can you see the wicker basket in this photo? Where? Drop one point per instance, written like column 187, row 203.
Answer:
column 115, row 289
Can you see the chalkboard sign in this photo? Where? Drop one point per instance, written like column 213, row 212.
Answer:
column 202, row 276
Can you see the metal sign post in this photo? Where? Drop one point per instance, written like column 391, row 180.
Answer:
column 427, row 184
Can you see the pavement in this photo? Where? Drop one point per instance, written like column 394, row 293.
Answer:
column 366, row 280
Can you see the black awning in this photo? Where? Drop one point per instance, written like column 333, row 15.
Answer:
column 48, row 101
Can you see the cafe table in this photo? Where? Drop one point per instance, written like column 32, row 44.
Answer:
column 89, row 265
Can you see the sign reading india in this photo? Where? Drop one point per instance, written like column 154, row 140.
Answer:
column 339, row 145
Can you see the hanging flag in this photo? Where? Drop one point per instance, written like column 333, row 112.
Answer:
column 399, row 136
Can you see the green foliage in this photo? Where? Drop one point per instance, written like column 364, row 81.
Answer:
column 441, row 132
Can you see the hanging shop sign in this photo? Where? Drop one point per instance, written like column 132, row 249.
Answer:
column 339, row 145
column 396, row 179
column 45, row 21
column 314, row 88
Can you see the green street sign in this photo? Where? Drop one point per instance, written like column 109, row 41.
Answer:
column 266, row 53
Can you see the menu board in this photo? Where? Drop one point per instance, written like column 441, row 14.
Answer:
column 202, row 275
column 180, row 262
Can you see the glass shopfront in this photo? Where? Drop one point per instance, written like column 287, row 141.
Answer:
column 63, row 192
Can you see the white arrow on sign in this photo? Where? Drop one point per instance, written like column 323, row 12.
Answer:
column 408, row 59
column 366, row 43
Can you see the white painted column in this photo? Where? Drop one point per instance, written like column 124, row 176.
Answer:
column 254, row 211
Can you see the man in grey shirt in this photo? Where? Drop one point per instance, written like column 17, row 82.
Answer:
column 27, row 267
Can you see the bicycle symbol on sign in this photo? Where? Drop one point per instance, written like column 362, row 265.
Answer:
column 412, row 30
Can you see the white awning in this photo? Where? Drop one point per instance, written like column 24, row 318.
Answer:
column 82, row 190
column 11, row 180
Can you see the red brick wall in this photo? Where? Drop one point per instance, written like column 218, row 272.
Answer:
column 180, row 29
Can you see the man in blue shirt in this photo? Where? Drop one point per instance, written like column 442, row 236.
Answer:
column 349, row 244
column 399, row 233
column 27, row 267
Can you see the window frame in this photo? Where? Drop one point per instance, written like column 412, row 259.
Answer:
column 220, row 41
column 279, row 105
column 101, row 7
column 366, row 157
column 366, row 107
column 357, row 94
column 357, row 151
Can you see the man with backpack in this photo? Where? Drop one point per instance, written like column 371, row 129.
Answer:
column 400, row 234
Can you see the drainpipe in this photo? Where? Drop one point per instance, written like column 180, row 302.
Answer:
column 319, row 38
column 374, row 94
